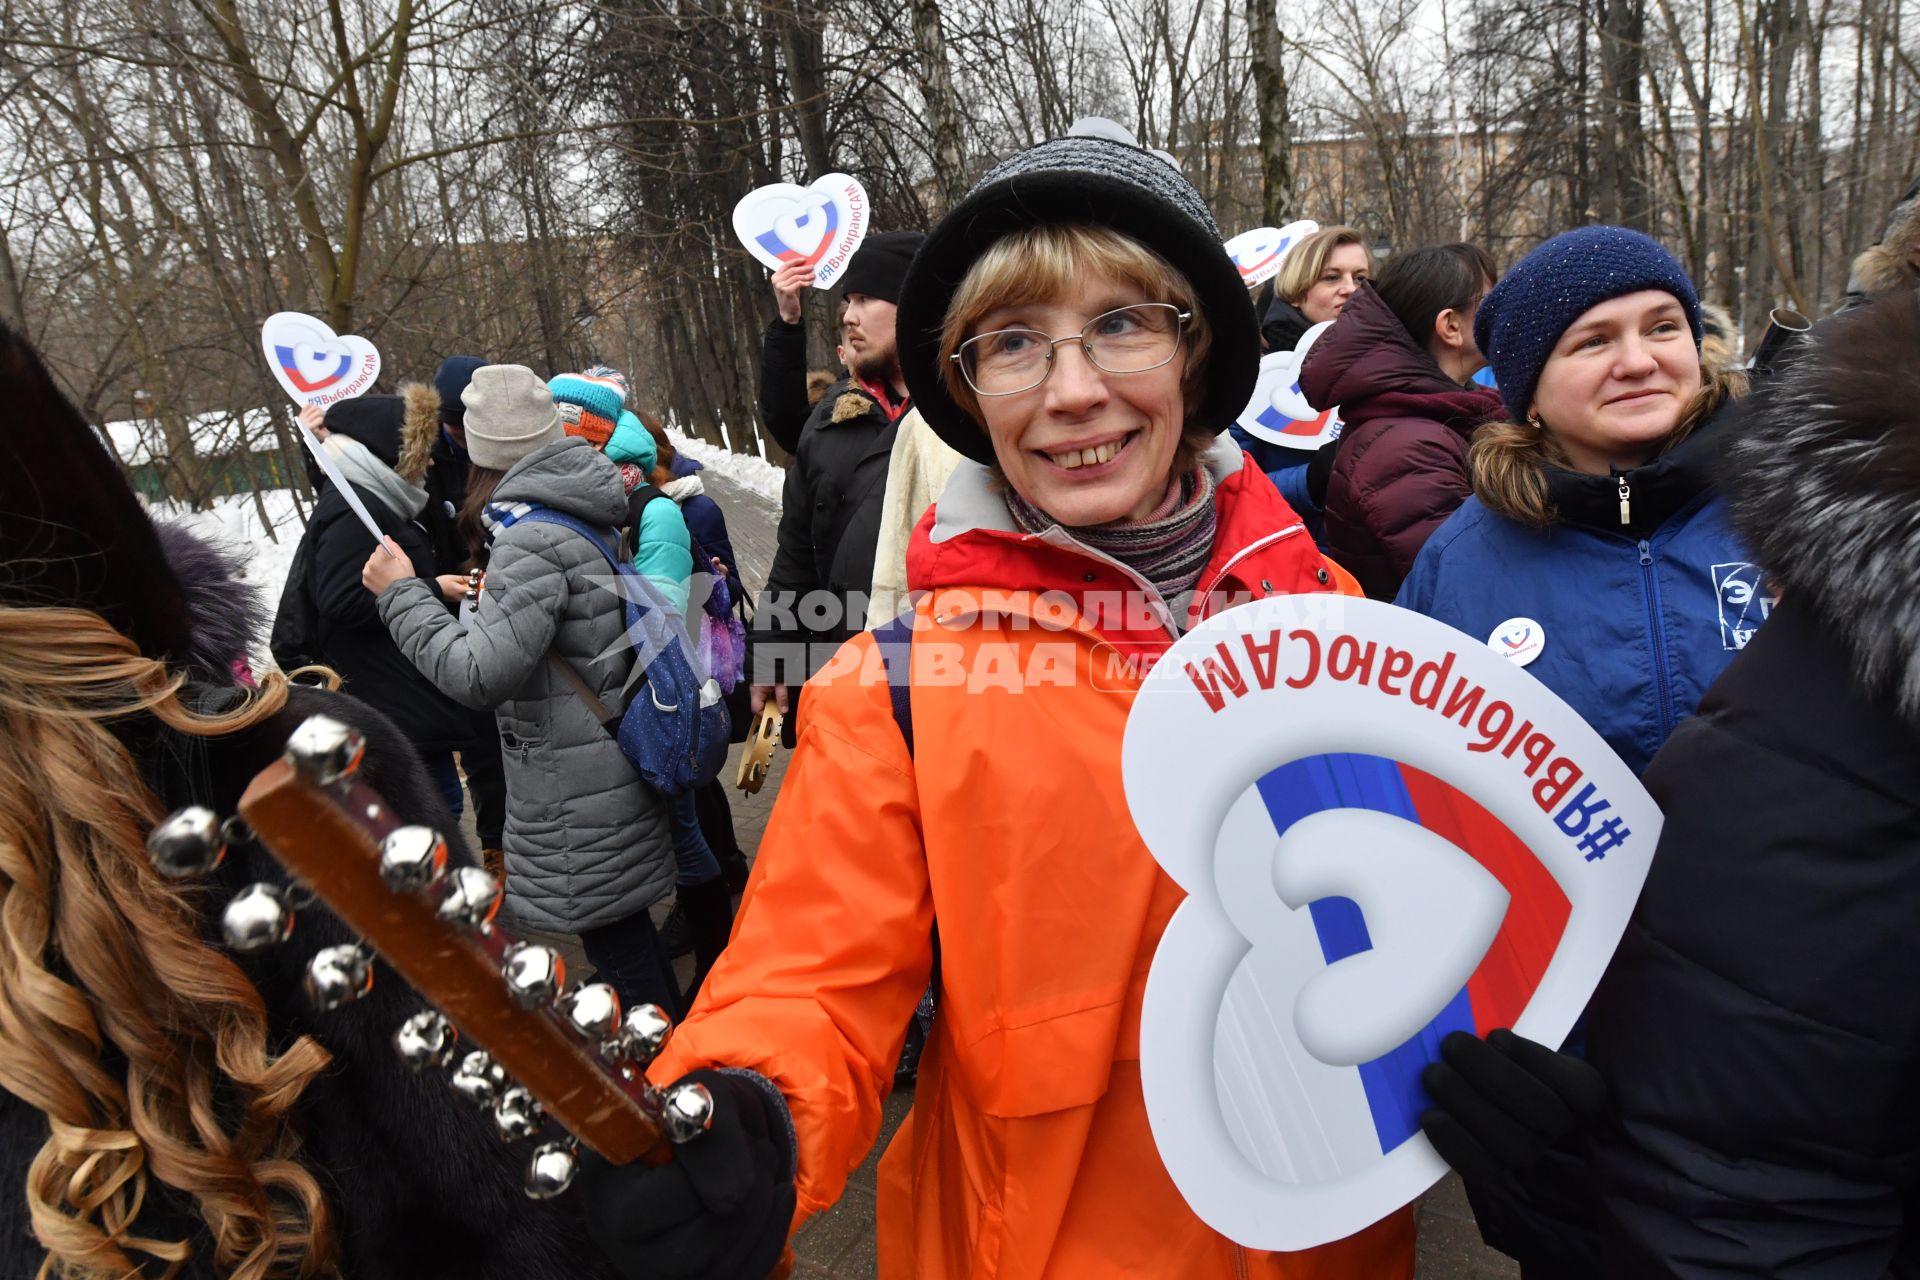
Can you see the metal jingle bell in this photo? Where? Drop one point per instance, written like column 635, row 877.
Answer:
column 469, row 897
column 686, row 1111
column 593, row 1011
column 412, row 858
column 550, row 1171
column 643, row 1033
column 535, row 974
column 260, row 916
column 517, row 1114
column 338, row 976
column 479, row 1079
column 425, row 1040
column 325, row 751
column 187, row 843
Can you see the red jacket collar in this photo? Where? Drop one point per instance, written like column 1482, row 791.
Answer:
column 968, row 539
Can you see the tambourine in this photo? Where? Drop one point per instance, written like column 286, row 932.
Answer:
column 763, row 735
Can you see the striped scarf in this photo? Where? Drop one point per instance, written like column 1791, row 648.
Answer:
column 1168, row 547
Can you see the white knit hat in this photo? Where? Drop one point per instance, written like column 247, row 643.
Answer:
column 510, row 413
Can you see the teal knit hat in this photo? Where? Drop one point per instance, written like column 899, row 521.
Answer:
column 601, row 401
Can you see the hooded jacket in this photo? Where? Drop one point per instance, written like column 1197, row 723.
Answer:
column 1636, row 619
column 1402, row 464
column 661, row 549
column 399, row 432
column 1757, row 1027
column 586, row 840
column 1028, row 1152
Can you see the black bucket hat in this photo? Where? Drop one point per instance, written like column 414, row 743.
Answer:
column 1092, row 182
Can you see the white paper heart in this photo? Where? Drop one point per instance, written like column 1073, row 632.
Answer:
column 314, row 364
column 1278, row 412
column 1261, row 252
column 820, row 224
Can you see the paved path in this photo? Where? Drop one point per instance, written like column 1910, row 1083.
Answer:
column 839, row 1243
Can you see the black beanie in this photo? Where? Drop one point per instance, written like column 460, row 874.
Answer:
column 879, row 265
column 1092, row 182
column 451, row 379
column 375, row 421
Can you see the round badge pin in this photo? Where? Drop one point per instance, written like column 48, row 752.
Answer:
column 1518, row 640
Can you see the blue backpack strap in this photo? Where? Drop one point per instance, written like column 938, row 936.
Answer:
column 598, row 537
column 895, row 642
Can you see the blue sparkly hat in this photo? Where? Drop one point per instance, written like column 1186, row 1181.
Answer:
column 1550, row 288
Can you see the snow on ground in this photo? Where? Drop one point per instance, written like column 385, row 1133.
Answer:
column 749, row 472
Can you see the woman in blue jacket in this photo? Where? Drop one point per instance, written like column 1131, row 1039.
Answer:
column 1597, row 552
column 1595, row 549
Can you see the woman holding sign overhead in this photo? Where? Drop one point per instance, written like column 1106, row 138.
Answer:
column 1075, row 330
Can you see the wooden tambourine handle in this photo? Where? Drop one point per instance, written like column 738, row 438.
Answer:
column 329, row 838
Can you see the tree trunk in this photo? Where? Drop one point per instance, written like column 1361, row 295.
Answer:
column 1270, row 96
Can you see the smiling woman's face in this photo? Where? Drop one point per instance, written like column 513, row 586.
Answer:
column 1085, row 446
column 1618, row 381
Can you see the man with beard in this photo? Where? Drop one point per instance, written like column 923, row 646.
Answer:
column 816, row 594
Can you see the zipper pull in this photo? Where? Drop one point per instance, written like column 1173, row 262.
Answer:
column 1626, row 502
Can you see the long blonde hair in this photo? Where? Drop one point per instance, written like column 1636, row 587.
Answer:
column 145, row 1047
column 1509, row 460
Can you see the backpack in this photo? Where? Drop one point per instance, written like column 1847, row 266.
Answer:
column 721, row 635
column 674, row 730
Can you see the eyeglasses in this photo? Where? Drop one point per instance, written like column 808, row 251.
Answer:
column 1131, row 339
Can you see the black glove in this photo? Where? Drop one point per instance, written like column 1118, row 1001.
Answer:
column 719, row 1210
column 1503, row 1101
column 1319, row 471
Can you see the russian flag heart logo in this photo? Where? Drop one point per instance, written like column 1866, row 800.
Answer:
column 1386, row 833
column 819, row 225
column 1278, row 413
column 1260, row 253
column 315, row 365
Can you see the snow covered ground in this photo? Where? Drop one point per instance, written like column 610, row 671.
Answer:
column 748, row 471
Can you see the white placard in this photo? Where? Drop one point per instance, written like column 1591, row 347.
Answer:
column 1260, row 253
column 1386, row 833
column 1278, row 412
column 819, row 225
column 315, row 365
column 318, row 367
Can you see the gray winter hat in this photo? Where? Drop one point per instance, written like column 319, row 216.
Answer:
column 510, row 413
column 1091, row 182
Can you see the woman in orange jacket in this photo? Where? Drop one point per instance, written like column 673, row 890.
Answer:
column 1075, row 329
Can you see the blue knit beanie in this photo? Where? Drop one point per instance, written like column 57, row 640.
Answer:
column 451, row 379
column 1525, row 314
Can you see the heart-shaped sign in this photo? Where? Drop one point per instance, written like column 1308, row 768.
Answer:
column 1261, row 252
column 1278, row 412
column 316, row 365
column 819, row 225
column 1386, row 833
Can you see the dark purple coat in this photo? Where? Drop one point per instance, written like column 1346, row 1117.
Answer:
column 1402, row 465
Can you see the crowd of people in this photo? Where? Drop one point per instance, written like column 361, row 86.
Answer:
column 1038, row 405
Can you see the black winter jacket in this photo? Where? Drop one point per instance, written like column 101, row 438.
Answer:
column 353, row 640
column 1758, row 1027
column 783, row 382
column 829, row 525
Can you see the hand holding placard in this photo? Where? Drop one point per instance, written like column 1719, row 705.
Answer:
column 817, row 226
column 317, row 367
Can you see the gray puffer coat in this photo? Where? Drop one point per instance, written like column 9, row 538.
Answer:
column 587, row 841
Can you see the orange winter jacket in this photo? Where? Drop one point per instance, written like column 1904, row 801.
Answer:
column 1027, row 1153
